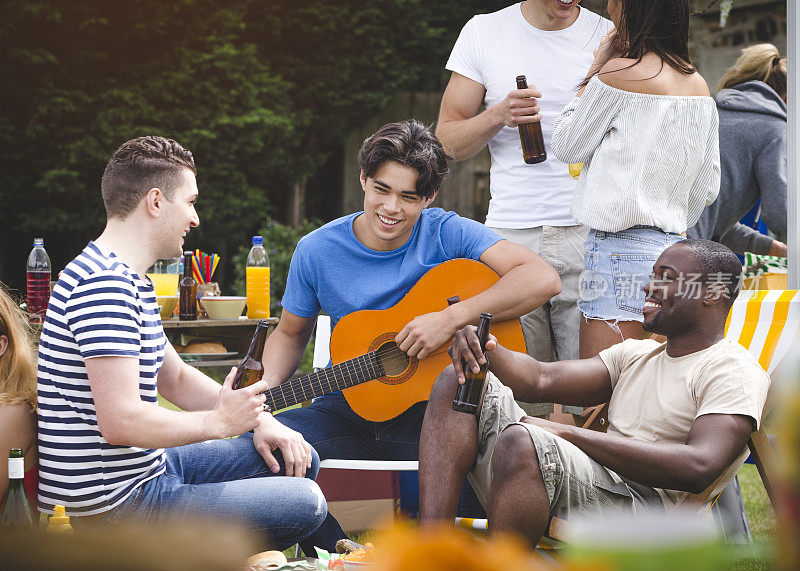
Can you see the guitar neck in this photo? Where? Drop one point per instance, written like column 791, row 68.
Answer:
column 325, row 381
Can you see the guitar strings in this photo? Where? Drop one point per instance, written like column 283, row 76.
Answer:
column 389, row 354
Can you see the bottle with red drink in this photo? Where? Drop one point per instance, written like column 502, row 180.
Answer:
column 38, row 271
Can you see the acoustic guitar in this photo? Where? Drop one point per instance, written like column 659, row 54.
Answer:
column 363, row 348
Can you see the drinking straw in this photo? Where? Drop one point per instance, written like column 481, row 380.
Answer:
column 214, row 262
column 198, row 274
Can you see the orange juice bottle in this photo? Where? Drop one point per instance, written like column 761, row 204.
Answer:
column 257, row 280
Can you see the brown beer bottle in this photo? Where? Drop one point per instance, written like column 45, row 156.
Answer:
column 249, row 370
column 188, row 295
column 468, row 395
column 531, row 135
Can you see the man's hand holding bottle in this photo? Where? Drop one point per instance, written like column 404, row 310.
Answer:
column 467, row 346
column 238, row 411
column 519, row 107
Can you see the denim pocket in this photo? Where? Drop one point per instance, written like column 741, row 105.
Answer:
column 630, row 272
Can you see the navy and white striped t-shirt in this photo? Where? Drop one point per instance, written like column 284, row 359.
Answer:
column 99, row 308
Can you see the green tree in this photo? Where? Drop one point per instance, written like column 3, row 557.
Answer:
column 261, row 92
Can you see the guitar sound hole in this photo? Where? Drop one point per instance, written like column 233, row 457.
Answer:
column 392, row 359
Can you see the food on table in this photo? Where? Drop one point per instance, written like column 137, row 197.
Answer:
column 355, row 553
column 201, row 347
column 265, row 560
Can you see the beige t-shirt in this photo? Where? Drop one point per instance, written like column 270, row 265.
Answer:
column 656, row 398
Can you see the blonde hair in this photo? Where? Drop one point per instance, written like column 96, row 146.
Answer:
column 17, row 364
column 761, row 62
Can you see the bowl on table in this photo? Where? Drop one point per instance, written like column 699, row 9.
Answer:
column 167, row 305
column 223, row 307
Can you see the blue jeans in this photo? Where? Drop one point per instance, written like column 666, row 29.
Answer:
column 228, row 480
column 335, row 431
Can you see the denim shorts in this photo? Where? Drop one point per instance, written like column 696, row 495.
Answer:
column 618, row 264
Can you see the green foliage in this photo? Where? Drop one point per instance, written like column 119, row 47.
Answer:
column 261, row 92
column 280, row 241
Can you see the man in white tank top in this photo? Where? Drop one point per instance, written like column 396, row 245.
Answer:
column 551, row 43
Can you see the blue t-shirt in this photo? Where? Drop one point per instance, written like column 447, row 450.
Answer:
column 332, row 271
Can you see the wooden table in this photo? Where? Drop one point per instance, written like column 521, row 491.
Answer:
column 234, row 334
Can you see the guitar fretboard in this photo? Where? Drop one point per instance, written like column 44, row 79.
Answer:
column 325, row 381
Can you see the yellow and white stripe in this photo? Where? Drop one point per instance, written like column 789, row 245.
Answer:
column 766, row 323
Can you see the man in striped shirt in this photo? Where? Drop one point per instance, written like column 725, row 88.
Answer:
column 108, row 452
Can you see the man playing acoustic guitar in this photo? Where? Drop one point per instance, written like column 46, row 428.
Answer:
column 368, row 261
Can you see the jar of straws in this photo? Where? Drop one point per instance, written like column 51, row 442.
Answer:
column 204, row 266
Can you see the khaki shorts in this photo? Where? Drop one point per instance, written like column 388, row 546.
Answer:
column 575, row 483
column 552, row 330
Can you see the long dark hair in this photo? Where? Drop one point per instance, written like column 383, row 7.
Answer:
column 658, row 26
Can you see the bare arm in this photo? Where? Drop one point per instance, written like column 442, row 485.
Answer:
column 183, row 385
column 464, row 130
column 282, row 354
column 125, row 419
column 581, row 382
column 284, row 348
column 526, row 282
column 714, row 441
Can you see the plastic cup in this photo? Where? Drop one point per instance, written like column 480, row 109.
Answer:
column 164, row 275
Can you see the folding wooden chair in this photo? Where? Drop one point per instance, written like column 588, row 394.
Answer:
column 766, row 323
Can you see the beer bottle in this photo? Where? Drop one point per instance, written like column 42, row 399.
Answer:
column 531, row 135
column 468, row 395
column 188, row 291
column 249, row 370
column 17, row 511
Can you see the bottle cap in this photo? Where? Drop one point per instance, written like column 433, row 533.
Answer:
column 258, row 240
column 59, row 516
column 38, row 241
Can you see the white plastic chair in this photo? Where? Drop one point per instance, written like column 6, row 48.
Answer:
column 322, row 356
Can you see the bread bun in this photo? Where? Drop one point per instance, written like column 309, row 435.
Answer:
column 204, row 347
column 266, row 560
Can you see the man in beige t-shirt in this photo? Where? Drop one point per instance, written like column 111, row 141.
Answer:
column 680, row 413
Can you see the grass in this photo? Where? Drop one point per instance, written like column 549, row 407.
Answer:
column 762, row 521
column 756, row 502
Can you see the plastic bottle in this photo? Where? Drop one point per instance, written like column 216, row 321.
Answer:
column 257, row 278
column 38, row 271
column 59, row 521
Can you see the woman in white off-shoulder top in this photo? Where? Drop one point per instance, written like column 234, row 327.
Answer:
column 646, row 129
